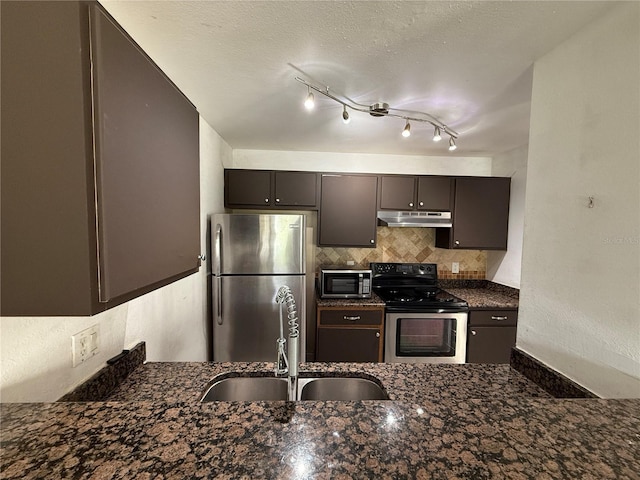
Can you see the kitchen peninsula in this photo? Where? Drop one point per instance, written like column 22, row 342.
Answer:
column 442, row 421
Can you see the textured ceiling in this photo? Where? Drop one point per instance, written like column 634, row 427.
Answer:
column 467, row 63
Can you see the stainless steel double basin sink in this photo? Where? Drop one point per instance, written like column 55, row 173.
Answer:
column 246, row 388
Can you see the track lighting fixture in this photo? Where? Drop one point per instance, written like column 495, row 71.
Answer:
column 436, row 135
column 309, row 103
column 407, row 130
column 381, row 109
column 345, row 115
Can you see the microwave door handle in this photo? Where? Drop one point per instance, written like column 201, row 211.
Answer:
column 360, row 279
column 216, row 273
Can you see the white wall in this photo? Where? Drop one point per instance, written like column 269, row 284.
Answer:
column 505, row 267
column 580, row 298
column 35, row 352
column 360, row 162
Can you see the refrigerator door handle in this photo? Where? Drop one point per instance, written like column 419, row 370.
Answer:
column 217, row 261
column 217, row 251
column 218, row 287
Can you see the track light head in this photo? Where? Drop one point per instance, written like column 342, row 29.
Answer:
column 407, row 130
column 309, row 103
column 345, row 115
column 436, row 135
column 381, row 109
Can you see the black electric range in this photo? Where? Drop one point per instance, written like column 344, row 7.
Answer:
column 413, row 287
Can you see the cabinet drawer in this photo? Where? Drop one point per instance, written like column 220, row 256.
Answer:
column 494, row 318
column 350, row 317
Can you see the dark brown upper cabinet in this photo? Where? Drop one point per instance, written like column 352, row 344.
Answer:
column 399, row 192
column 480, row 215
column 100, row 164
column 347, row 216
column 267, row 189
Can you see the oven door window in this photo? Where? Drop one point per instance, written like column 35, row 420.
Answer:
column 426, row 337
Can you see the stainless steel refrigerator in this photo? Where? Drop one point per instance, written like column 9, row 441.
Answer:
column 253, row 255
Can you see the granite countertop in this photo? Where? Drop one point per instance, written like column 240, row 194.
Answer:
column 483, row 293
column 374, row 301
column 478, row 294
column 484, row 298
column 445, row 422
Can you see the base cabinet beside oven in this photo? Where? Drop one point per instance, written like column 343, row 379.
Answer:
column 350, row 334
column 491, row 335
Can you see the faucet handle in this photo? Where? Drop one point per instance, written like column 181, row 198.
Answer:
column 282, row 365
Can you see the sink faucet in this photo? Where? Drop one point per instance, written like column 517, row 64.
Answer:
column 288, row 364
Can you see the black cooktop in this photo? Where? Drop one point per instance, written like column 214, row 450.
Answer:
column 412, row 286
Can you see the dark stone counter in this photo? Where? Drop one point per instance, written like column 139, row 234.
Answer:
column 374, row 301
column 445, row 422
column 482, row 293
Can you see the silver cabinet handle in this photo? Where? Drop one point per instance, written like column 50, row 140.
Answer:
column 411, row 204
column 377, row 334
column 372, row 241
column 493, row 317
column 421, row 204
column 352, row 319
column 457, row 242
column 202, row 257
column 277, row 200
column 473, row 332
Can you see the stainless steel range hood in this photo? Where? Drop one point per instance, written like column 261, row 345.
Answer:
column 414, row 219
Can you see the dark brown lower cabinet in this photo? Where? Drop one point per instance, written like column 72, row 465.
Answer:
column 491, row 335
column 350, row 335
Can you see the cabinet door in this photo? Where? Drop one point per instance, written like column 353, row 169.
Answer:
column 480, row 215
column 434, row 193
column 348, row 345
column 48, row 254
column 348, row 211
column 247, row 188
column 147, row 166
column 295, row 189
column 490, row 344
column 397, row 192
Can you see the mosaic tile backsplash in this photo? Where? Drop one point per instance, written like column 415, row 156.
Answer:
column 408, row 245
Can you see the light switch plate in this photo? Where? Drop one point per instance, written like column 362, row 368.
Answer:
column 455, row 267
column 84, row 345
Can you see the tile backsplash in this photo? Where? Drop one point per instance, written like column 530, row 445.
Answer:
column 408, row 245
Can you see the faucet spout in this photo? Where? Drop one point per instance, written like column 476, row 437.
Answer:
column 288, row 364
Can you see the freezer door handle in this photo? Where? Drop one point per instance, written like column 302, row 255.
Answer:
column 218, row 289
column 217, row 251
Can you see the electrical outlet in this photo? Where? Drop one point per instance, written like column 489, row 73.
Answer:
column 84, row 345
column 350, row 263
column 455, row 267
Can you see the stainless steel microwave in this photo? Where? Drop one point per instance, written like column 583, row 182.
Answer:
column 339, row 283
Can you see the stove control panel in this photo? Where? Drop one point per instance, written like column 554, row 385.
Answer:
column 412, row 269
